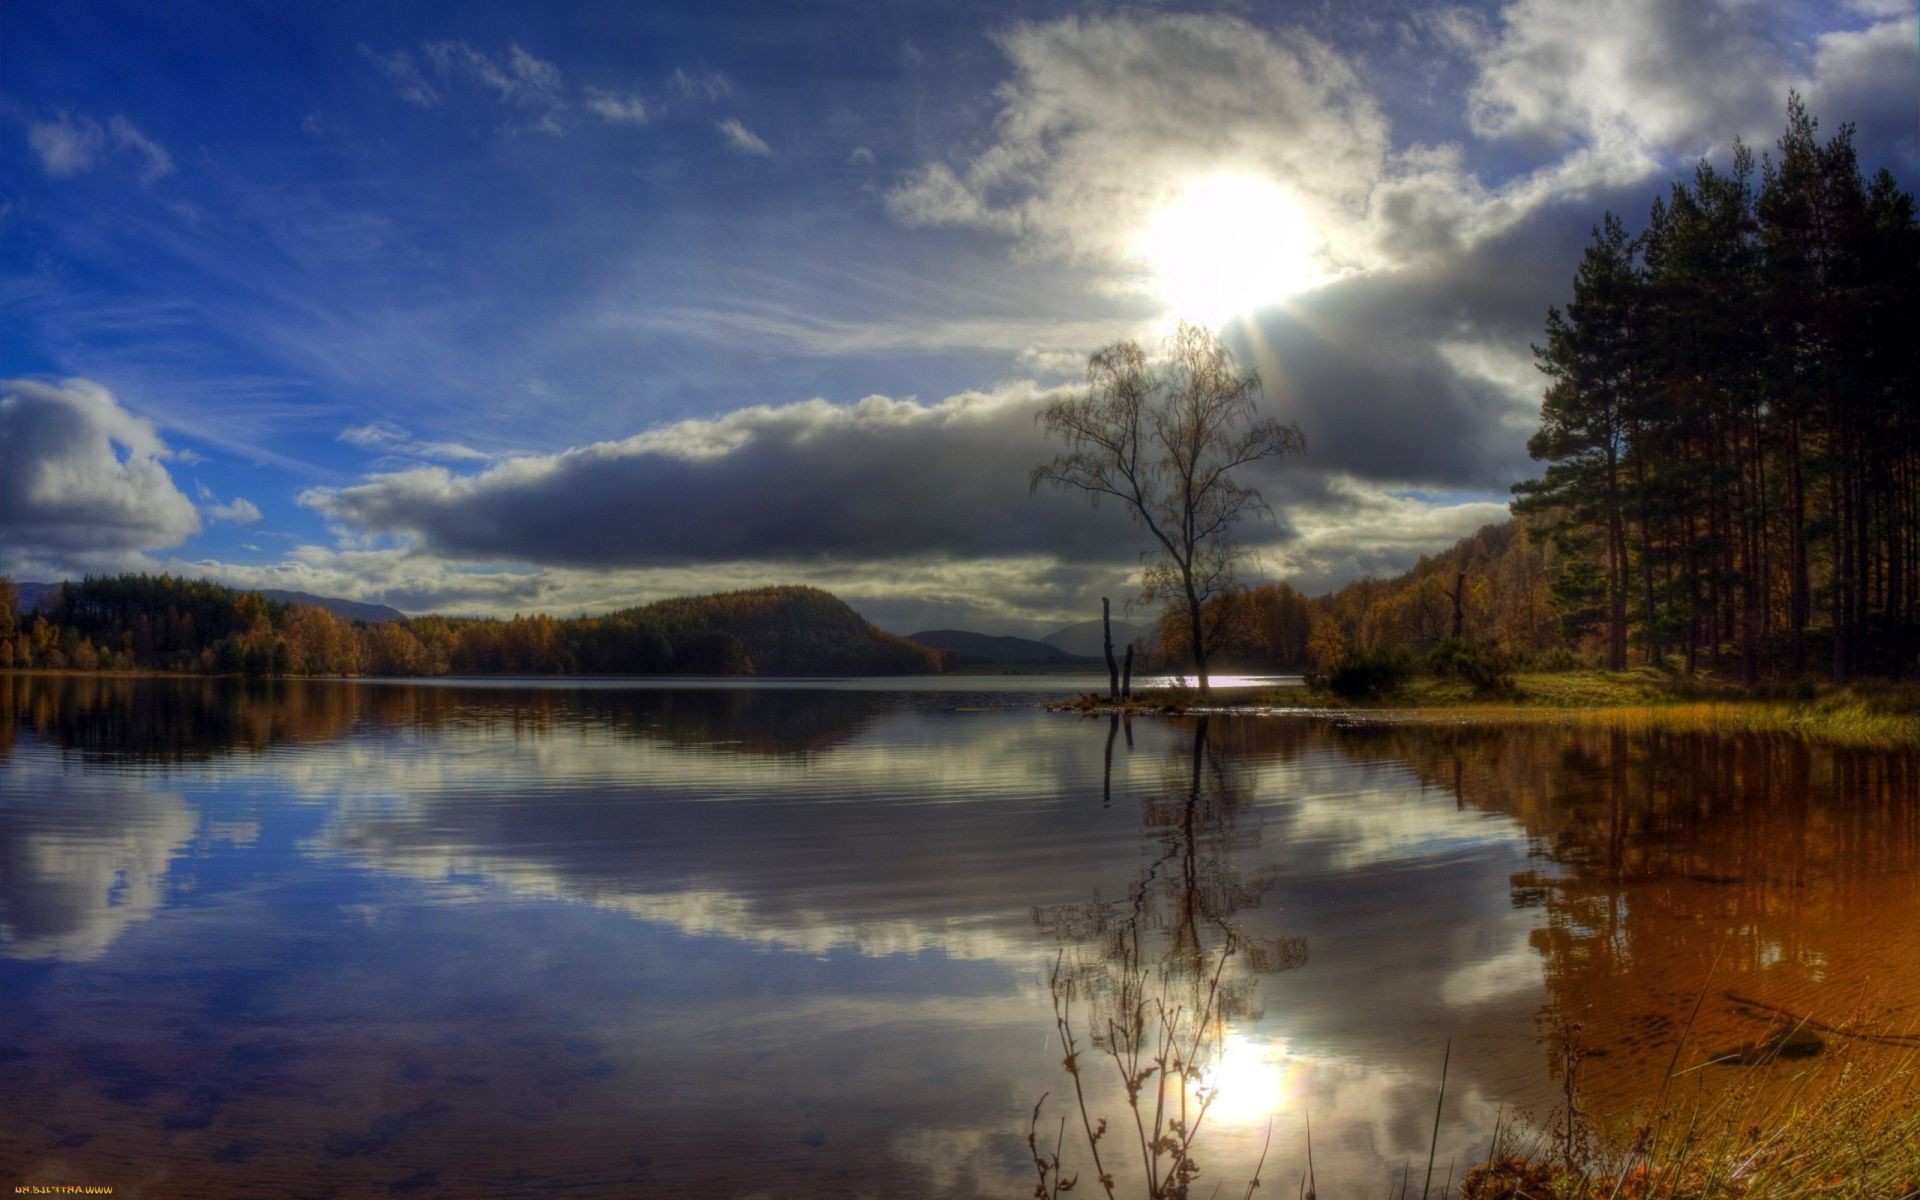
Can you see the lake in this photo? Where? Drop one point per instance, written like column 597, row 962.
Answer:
column 502, row 938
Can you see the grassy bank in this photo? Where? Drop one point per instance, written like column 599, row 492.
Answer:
column 1868, row 714
column 1844, row 1128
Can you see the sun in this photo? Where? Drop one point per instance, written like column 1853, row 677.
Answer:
column 1226, row 245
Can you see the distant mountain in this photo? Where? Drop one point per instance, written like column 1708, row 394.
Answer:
column 1085, row 638
column 31, row 594
column 348, row 610
column 985, row 647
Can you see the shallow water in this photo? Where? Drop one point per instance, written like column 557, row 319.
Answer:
column 294, row 939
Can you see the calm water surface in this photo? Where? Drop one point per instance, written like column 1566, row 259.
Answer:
column 337, row 939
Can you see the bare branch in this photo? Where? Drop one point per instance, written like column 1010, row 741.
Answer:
column 1164, row 439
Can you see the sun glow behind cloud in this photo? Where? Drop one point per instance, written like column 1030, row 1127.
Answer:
column 1229, row 244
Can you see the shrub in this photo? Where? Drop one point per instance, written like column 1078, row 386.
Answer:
column 1480, row 664
column 1368, row 673
column 1559, row 658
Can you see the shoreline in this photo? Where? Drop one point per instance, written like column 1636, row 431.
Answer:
column 1870, row 715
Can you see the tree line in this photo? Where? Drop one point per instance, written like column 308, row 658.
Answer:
column 163, row 623
column 1729, row 426
column 1492, row 589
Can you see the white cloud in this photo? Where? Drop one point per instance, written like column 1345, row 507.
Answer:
column 700, row 83
column 80, row 474
column 740, row 139
column 71, row 144
column 67, row 145
column 861, row 154
column 241, row 511
column 391, row 439
column 519, row 80
column 156, row 162
column 1105, row 119
column 1628, row 74
column 615, row 108
column 399, row 68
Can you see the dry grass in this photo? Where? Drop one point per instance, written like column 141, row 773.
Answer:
column 1847, row 1129
column 1846, row 725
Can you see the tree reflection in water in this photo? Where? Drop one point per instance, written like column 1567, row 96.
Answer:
column 1161, row 975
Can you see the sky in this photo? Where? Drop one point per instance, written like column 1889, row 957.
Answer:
column 564, row 307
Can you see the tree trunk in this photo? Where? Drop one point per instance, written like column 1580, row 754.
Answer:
column 1113, row 669
column 1126, row 675
column 1197, row 635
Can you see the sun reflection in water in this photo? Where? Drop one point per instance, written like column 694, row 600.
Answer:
column 1251, row 1080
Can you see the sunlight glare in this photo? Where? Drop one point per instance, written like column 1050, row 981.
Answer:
column 1227, row 245
column 1252, row 1079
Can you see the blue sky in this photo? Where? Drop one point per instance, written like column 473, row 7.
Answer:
column 504, row 307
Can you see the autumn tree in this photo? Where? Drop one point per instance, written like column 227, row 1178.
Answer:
column 1166, row 439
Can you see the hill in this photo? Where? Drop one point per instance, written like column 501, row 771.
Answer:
column 164, row 623
column 1085, row 639
column 786, row 631
column 966, row 645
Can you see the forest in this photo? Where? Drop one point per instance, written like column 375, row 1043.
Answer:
column 142, row 622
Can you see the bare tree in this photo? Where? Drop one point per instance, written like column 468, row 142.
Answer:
column 1165, row 438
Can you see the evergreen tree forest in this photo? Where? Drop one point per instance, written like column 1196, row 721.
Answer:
column 1729, row 425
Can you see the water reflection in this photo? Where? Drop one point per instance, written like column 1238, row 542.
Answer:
column 1154, row 983
column 71, row 883
column 296, row 937
column 1775, row 879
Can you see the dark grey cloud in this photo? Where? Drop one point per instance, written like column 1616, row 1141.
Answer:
column 79, row 474
column 881, row 479
column 1422, row 375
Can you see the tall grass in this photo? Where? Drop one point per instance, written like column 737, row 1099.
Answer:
column 1845, row 1129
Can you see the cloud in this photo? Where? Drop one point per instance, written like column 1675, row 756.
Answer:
column 399, row 68
column 616, row 109
column 740, row 139
column 860, row 155
column 156, row 162
column 880, row 479
column 71, row 145
column 241, row 511
column 80, row 474
column 700, row 83
column 1105, row 117
column 519, row 79
column 1626, row 73
column 917, row 513
column 393, row 440
column 1867, row 76
column 67, row 145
